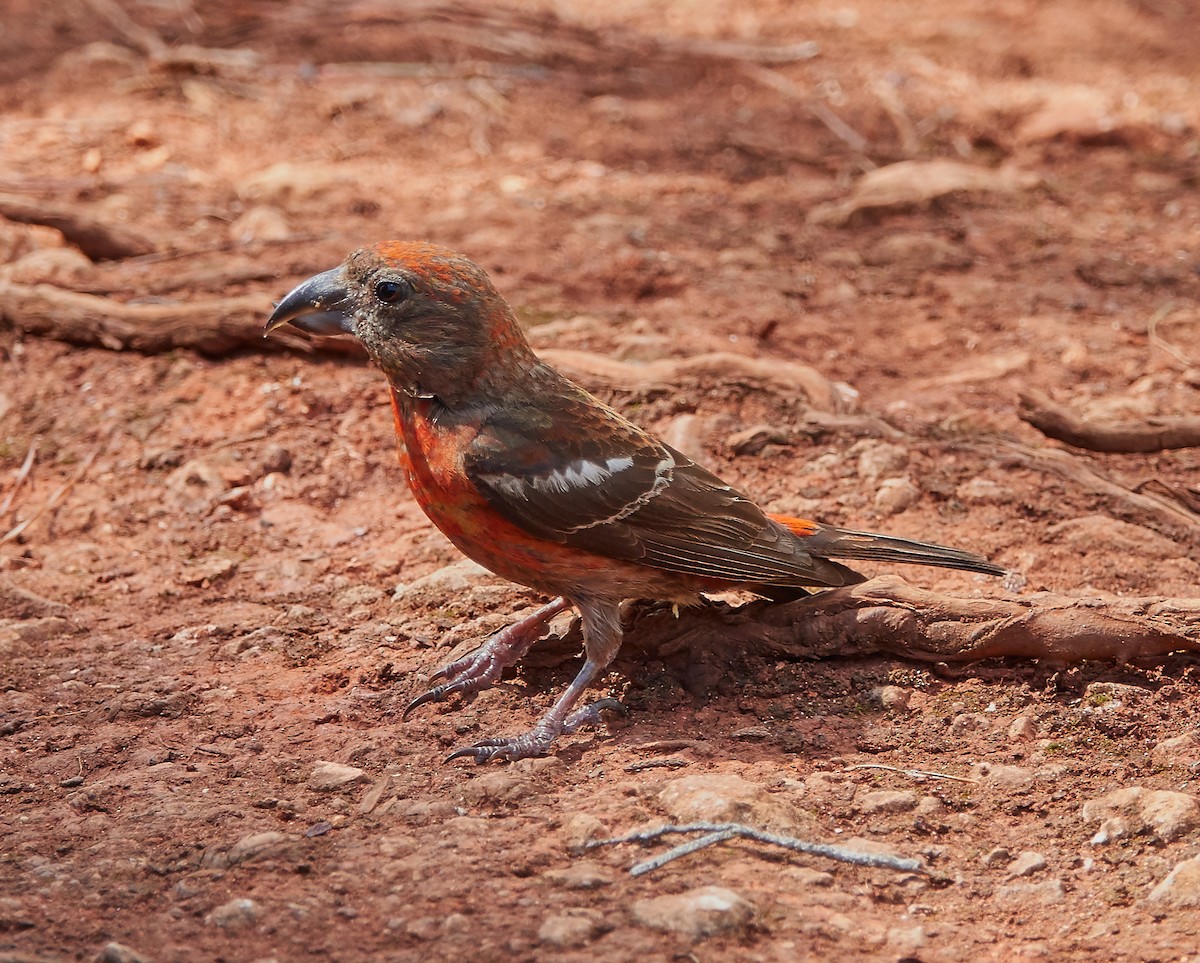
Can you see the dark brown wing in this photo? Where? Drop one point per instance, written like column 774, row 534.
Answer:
column 581, row 475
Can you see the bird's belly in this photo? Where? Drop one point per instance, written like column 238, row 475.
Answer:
column 431, row 457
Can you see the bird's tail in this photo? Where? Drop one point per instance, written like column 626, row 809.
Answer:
column 825, row 542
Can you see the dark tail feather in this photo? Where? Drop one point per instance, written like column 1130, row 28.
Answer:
column 842, row 543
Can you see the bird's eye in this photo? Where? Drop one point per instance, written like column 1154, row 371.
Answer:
column 389, row 292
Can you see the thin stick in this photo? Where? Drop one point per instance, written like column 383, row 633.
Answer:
column 22, row 474
column 683, row 849
column 670, row 763
column 838, row 127
column 917, row 774
column 1156, row 318
column 53, row 499
column 719, row 832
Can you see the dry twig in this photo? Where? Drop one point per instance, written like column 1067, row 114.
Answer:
column 22, row 474
column 721, row 832
column 53, row 500
column 1157, row 318
column 920, row 775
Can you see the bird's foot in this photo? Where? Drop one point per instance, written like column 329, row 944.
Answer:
column 479, row 669
column 536, row 742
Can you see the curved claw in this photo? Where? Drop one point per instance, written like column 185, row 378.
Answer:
column 437, row 694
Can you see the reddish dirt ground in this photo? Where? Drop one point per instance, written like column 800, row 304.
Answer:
column 205, row 615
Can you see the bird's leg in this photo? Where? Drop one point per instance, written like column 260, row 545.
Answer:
column 480, row 668
column 602, row 639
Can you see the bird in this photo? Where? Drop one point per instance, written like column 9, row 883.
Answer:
column 545, row 485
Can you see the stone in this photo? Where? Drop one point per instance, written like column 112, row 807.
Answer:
column 13, row 915
column 983, row 491
column 328, row 776
column 894, row 697
column 258, row 844
column 447, row 581
column 456, row 923
column 1115, row 827
column 20, row 603
column 879, row 460
column 905, row 941
column 895, row 495
column 1167, row 814
column 234, row 915
column 886, row 801
column 871, row 847
column 253, row 846
column 209, row 571
column 357, row 595
column 1022, row 729
column 1113, row 695
column 697, row 913
column 581, row 829
column 502, row 787
column 424, row 928
column 721, row 798
column 1181, row 887
column 1181, row 751
column 575, row 927
column 929, row 806
column 120, row 953
column 915, row 251
column 34, row 630
column 1027, row 864
column 1011, row 780
column 261, row 222
column 685, row 433
column 1047, row 893
column 1170, row 814
column 828, row 789
column 580, row 875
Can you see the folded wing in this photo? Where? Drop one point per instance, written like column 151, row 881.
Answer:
column 583, row 476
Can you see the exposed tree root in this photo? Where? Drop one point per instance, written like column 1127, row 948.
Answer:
column 1162, row 513
column 212, row 327
column 1062, row 424
column 887, row 614
column 98, row 240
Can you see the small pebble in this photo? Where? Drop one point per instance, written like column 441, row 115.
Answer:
column 234, row 915
column 1027, row 864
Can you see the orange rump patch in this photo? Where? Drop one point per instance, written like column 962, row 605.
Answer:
column 797, row 526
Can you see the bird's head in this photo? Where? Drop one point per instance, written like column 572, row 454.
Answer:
column 429, row 318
